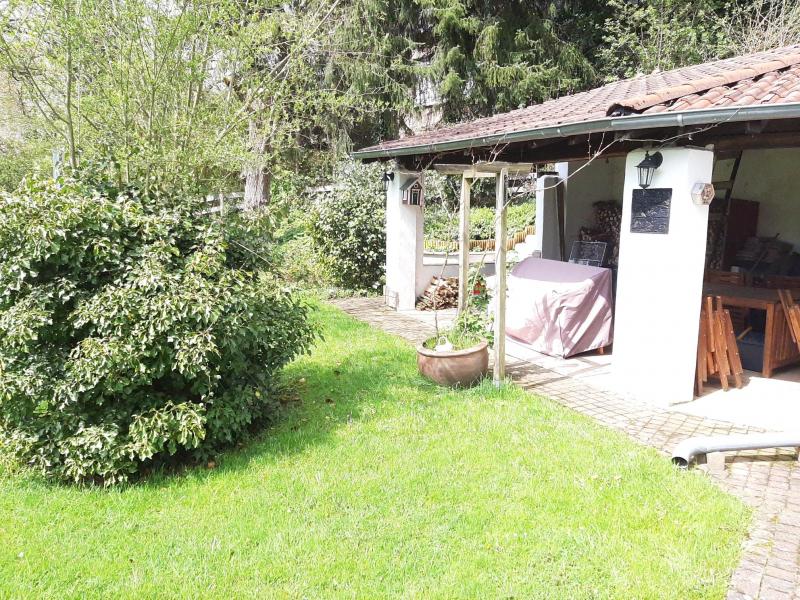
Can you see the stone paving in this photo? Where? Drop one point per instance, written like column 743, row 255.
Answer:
column 769, row 481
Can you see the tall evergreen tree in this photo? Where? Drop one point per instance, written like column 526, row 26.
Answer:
column 470, row 58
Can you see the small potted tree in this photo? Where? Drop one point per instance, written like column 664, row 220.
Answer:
column 459, row 355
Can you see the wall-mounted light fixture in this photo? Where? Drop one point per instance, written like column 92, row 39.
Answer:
column 386, row 178
column 647, row 168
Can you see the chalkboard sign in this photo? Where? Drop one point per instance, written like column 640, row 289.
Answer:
column 588, row 253
column 650, row 212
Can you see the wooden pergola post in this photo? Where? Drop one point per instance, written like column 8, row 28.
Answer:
column 468, row 174
column 500, row 237
column 463, row 243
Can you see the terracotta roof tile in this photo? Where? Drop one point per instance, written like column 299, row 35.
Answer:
column 771, row 77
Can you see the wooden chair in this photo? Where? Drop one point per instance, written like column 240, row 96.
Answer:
column 792, row 313
column 739, row 316
column 717, row 351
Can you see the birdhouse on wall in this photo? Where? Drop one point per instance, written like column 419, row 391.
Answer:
column 412, row 192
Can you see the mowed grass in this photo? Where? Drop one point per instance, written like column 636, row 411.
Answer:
column 378, row 484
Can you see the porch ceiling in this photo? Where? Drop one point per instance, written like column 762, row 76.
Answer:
column 484, row 169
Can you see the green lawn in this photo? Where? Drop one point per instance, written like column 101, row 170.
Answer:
column 378, row 484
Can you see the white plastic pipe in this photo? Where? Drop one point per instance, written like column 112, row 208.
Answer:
column 691, row 448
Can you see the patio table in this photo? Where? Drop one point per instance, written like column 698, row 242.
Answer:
column 779, row 347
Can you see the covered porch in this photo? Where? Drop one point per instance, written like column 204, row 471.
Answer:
column 763, row 401
column 669, row 238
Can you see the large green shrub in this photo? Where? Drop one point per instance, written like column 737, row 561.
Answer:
column 20, row 159
column 126, row 336
column 348, row 227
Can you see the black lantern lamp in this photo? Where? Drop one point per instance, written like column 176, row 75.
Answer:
column 647, row 168
column 386, row 178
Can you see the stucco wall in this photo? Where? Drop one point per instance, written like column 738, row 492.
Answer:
column 660, row 284
column 772, row 177
column 545, row 236
column 602, row 180
column 404, row 245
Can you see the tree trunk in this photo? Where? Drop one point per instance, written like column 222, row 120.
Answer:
column 258, row 179
column 256, row 187
column 73, row 157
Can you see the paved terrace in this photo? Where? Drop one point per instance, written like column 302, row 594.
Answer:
column 769, row 481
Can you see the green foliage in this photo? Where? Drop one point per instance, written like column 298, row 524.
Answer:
column 518, row 216
column 481, row 223
column 470, row 57
column 302, row 266
column 758, row 25
column 648, row 35
column 494, row 57
column 250, row 238
column 18, row 159
column 440, row 224
column 200, row 91
column 348, row 227
column 474, row 324
column 378, row 484
column 469, row 328
column 126, row 337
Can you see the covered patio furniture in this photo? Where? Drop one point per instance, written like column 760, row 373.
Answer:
column 560, row 309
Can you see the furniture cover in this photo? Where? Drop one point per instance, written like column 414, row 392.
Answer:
column 558, row 308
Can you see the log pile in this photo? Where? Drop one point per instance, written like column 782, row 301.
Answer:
column 607, row 225
column 441, row 293
column 608, row 216
column 715, row 237
column 717, row 351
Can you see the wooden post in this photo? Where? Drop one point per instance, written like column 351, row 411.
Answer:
column 463, row 243
column 500, row 278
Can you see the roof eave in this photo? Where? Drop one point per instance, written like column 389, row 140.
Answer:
column 704, row 116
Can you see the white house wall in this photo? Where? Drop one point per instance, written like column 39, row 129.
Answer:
column 404, row 245
column 660, row 284
column 545, row 236
column 771, row 177
column 602, row 180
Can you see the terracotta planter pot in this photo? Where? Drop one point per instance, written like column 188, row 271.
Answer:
column 456, row 367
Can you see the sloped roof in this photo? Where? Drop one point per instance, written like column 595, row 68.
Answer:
column 763, row 78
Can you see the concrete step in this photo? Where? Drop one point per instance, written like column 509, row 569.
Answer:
column 529, row 239
column 524, row 249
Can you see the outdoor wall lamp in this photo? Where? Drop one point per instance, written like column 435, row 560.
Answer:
column 647, row 168
column 386, row 178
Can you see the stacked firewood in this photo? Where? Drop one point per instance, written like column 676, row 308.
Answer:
column 608, row 216
column 607, row 225
column 715, row 237
column 441, row 293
